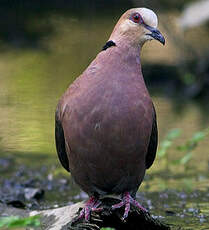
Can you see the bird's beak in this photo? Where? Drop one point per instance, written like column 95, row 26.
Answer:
column 155, row 33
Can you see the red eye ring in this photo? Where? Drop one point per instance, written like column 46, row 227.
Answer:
column 136, row 17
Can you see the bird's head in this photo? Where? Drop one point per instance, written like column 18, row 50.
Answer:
column 136, row 26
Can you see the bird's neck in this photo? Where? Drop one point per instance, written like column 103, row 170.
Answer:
column 123, row 56
column 129, row 53
column 129, row 50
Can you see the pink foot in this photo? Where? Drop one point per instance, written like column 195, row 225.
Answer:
column 91, row 205
column 127, row 200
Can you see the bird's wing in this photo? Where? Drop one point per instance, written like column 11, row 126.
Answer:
column 152, row 148
column 60, row 142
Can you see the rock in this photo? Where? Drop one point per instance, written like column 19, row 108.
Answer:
column 56, row 219
column 16, row 203
column 170, row 213
column 33, row 193
column 4, row 164
column 64, row 218
column 11, row 211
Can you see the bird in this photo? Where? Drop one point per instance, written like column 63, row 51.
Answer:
column 105, row 123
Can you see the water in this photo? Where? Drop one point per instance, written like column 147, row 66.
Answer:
column 32, row 81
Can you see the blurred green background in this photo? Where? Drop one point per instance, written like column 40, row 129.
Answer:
column 45, row 45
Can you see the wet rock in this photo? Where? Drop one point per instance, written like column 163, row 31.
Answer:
column 181, row 215
column 16, row 203
column 50, row 177
column 32, row 182
column 193, row 210
column 163, row 195
column 202, row 220
column 166, row 206
column 149, row 203
column 63, row 181
column 11, row 211
column 28, row 187
column 157, row 217
column 170, row 213
column 4, row 164
column 33, row 193
column 33, row 206
column 16, row 193
column 182, row 195
column 56, row 219
column 62, row 218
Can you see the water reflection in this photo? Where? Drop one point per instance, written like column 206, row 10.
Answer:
column 33, row 80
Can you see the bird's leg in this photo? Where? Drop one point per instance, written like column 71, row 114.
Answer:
column 127, row 200
column 91, row 205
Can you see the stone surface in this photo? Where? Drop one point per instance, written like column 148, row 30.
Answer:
column 56, row 219
column 61, row 218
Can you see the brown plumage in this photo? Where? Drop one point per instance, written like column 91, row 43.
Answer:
column 106, row 130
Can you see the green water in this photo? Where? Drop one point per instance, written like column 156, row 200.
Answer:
column 32, row 81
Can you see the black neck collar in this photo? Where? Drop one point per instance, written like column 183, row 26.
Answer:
column 108, row 45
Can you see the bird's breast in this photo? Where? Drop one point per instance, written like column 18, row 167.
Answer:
column 111, row 115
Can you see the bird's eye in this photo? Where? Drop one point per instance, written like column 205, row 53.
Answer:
column 136, row 17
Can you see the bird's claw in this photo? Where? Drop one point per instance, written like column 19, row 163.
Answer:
column 127, row 200
column 91, row 205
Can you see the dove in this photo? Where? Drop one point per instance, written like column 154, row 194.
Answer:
column 105, row 123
